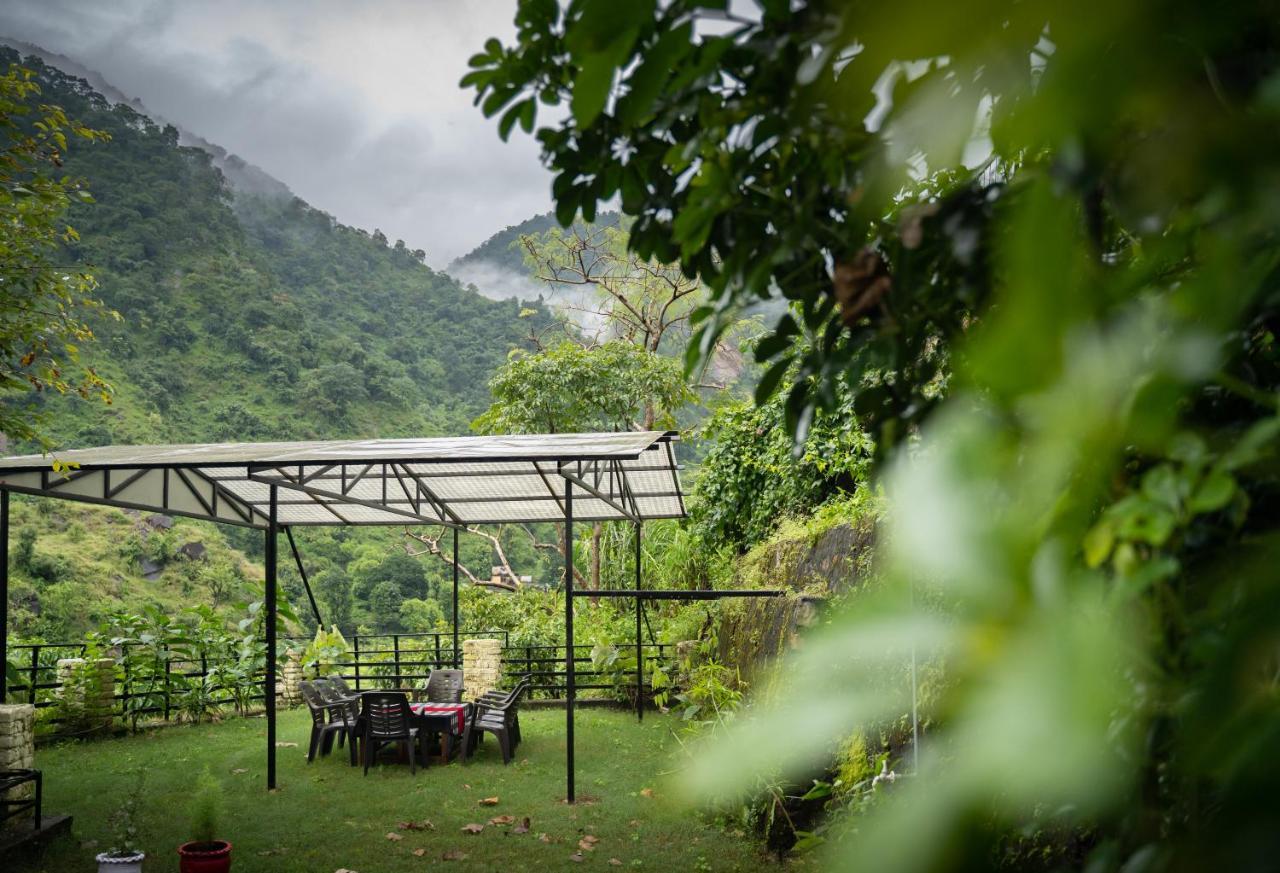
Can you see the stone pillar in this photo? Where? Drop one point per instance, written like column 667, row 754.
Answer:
column 18, row 749
column 481, row 667
column 291, row 678
column 86, row 693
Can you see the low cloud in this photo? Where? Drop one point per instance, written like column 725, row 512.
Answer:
column 354, row 106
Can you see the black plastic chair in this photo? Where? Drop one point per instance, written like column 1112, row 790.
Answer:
column 504, row 699
column 388, row 719
column 335, row 693
column 499, row 717
column 327, row 721
column 444, row 686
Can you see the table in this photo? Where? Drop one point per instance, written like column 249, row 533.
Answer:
column 446, row 719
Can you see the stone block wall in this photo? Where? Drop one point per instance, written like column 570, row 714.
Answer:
column 481, row 667
column 86, row 692
column 290, row 679
column 18, row 749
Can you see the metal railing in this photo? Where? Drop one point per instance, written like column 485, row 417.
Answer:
column 377, row 661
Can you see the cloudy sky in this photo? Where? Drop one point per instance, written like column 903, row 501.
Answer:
column 354, row 105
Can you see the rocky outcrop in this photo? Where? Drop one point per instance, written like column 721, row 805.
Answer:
column 812, row 569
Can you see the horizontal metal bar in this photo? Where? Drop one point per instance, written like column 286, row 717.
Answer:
column 679, row 595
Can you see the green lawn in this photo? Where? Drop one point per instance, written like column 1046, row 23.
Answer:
column 327, row 816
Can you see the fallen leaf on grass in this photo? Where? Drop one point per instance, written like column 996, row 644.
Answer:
column 614, row 862
column 424, row 825
column 489, row 801
column 394, row 837
column 286, row 745
column 522, row 828
column 466, row 786
column 343, row 870
column 237, row 771
column 646, row 792
column 454, row 855
column 544, row 838
column 472, row 828
column 635, row 822
column 502, row 819
column 576, row 856
column 419, row 852
column 587, row 844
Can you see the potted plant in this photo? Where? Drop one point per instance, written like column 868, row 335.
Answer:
column 205, row 853
column 124, row 856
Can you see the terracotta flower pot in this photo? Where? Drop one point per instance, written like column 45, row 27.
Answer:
column 129, row 862
column 211, row 857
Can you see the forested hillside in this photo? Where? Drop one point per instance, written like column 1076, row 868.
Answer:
column 256, row 317
column 244, row 316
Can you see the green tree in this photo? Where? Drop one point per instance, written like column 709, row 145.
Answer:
column 417, row 615
column 1037, row 241
column 45, row 305
column 571, row 388
column 384, row 606
column 334, row 590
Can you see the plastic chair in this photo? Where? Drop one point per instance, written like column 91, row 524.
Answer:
column 327, row 721
column 387, row 719
column 499, row 717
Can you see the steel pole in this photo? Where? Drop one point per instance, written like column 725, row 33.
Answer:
column 455, row 599
column 269, row 690
column 639, row 647
column 571, row 689
column 302, row 571
column 4, row 595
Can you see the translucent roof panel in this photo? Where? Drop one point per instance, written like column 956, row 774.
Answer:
column 450, row 480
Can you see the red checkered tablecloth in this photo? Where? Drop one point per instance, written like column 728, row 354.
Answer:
column 458, row 710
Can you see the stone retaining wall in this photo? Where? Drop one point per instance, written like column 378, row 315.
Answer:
column 481, row 667
column 18, row 749
column 754, row 631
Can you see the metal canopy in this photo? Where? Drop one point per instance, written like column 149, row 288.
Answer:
column 454, row 481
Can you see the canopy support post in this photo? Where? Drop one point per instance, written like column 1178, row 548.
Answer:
column 4, row 596
column 456, row 661
column 302, row 571
column 639, row 646
column 269, row 687
column 571, row 688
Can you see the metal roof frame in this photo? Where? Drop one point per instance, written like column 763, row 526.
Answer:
column 450, row 481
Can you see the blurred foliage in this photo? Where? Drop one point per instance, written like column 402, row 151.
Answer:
column 44, row 317
column 1037, row 242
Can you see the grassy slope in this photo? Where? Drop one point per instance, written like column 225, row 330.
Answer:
column 98, row 551
column 327, row 815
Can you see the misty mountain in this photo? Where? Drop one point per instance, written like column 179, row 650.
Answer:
column 496, row 267
column 250, row 316
column 239, row 173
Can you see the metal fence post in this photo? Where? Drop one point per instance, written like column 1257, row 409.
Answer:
column 355, row 643
column 167, row 664
column 395, row 645
column 35, row 664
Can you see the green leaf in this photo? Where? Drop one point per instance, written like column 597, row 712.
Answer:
column 1213, row 493
column 769, row 382
column 1097, row 544
column 645, row 84
column 591, row 88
